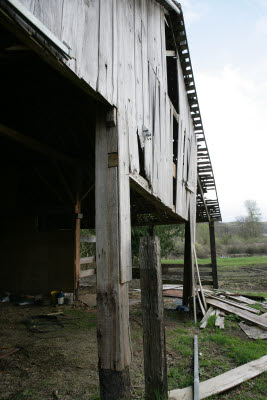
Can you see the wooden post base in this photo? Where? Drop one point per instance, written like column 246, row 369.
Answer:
column 155, row 361
column 114, row 385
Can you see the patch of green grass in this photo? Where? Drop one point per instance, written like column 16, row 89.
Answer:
column 179, row 377
column 95, row 396
column 237, row 349
column 181, row 343
column 80, row 319
column 253, row 294
column 211, row 321
column 234, row 261
column 256, row 306
column 231, row 321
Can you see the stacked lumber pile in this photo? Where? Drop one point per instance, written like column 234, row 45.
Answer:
column 254, row 321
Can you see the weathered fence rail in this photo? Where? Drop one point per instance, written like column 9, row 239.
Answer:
column 175, row 273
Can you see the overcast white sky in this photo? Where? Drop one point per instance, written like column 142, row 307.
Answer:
column 228, row 47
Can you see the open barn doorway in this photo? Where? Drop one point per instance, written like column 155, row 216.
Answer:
column 47, row 157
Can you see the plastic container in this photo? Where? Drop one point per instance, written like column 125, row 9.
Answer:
column 54, row 295
column 68, row 298
column 60, row 298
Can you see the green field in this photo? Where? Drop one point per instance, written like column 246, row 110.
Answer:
column 233, row 262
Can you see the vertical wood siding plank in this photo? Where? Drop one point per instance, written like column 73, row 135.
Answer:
column 138, row 70
column 29, row 4
column 124, row 202
column 105, row 67
column 49, row 12
column 145, row 65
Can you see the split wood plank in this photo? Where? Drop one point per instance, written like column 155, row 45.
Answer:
column 243, row 307
column 248, row 316
column 253, row 332
column 87, row 260
column 242, row 299
column 87, row 272
column 219, row 322
column 223, row 382
column 208, row 314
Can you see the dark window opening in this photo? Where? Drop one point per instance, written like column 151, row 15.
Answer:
column 175, row 157
column 141, row 153
column 172, row 70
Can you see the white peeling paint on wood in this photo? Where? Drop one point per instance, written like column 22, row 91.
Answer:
column 118, row 48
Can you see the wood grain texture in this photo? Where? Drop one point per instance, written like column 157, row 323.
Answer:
column 155, row 361
column 118, row 48
column 112, row 296
column 223, row 382
column 246, row 315
column 49, row 12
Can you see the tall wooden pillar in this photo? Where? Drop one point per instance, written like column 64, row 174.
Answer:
column 188, row 264
column 155, row 361
column 113, row 258
column 213, row 255
column 77, row 230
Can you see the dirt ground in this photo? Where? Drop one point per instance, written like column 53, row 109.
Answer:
column 248, row 278
column 57, row 356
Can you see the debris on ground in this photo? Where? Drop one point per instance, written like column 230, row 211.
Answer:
column 6, row 351
column 223, row 382
column 222, row 302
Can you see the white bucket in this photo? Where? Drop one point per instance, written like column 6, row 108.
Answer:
column 60, row 300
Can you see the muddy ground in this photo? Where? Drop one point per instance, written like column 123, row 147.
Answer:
column 57, row 356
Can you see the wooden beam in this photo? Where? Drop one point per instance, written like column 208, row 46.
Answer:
column 65, row 183
column 38, row 146
column 114, row 348
column 188, row 265
column 248, row 316
column 50, row 187
column 223, row 382
column 155, row 361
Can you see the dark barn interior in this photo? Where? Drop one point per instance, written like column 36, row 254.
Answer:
column 47, row 142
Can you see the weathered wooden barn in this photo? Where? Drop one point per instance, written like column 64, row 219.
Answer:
column 100, row 128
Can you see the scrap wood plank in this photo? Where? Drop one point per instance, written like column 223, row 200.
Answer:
column 243, row 307
column 87, row 272
column 219, row 322
column 208, row 314
column 242, row 299
column 248, row 316
column 253, row 332
column 223, row 382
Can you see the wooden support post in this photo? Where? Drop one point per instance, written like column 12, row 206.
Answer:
column 77, row 231
column 151, row 230
column 113, row 252
column 213, row 255
column 188, row 265
column 155, row 362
